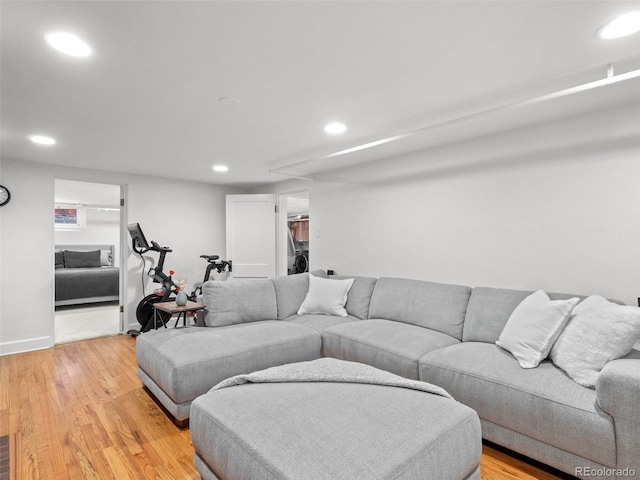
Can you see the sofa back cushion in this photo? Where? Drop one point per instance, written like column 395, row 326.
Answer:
column 490, row 308
column 290, row 292
column 437, row 306
column 238, row 301
column 292, row 289
column 359, row 296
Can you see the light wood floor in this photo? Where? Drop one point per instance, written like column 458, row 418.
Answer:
column 78, row 411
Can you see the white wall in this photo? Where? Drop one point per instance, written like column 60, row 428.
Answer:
column 26, row 311
column 555, row 206
column 187, row 216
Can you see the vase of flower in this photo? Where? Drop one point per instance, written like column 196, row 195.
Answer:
column 181, row 299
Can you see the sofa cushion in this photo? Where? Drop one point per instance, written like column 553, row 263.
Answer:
column 326, row 296
column 389, row 345
column 490, row 308
column 291, row 290
column 437, row 306
column 187, row 362
column 541, row 403
column 320, row 322
column 598, row 331
column 238, row 301
column 534, row 326
column 359, row 297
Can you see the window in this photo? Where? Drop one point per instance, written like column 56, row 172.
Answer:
column 70, row 217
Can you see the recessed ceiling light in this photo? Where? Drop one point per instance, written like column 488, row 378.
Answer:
column 42, row 140
column 68, row 43
column 220, row 168
column 622, row 26
column 335, row 128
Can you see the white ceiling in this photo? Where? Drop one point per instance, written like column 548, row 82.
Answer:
column 147, row 100
column 90, row 194
column 297, row 204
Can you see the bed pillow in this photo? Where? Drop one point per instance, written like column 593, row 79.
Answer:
column 74, row 259
column 106, row 260
column 598, row 331
column 326, row 296
column 534, row 326
column 59, row 259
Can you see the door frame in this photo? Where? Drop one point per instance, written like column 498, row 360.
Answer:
column 281, row 230
column 122, row 252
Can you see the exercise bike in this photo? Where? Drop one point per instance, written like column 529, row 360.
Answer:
column 213, row 263
column 145, row 314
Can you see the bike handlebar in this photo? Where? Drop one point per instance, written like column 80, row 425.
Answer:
column 158, row 248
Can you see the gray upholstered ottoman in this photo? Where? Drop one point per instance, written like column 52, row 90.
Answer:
column 331, row 419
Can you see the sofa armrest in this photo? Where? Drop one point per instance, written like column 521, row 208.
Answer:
column 618, row 394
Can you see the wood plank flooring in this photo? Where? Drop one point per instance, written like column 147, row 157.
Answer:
column 78, row 411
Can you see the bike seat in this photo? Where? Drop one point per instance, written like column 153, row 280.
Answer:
column 210, row 258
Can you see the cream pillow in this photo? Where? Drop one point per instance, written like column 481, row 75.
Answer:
column 598, row 331
column 534, row 326
column 326, row 296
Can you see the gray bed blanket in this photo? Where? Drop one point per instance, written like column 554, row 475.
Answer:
column 74, row 283
column 330, row 370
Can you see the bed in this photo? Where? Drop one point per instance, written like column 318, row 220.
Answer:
column 85, row 274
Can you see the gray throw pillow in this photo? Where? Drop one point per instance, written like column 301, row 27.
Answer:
column 59, row 259
column 82, row 259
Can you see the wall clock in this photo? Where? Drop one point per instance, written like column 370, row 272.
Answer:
column 5, row 196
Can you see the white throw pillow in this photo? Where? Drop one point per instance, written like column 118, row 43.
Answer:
column 326, row 296
column 534, row 326
column 598, row 331
column 105, row 258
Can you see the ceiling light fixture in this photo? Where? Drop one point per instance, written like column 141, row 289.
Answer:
column 335, row 128
column 622, row 26
column 68, row 43
column 220, row 168
column 42, row 140
column 610, row 79
column 365, row 146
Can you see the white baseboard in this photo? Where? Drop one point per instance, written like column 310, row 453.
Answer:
column 27, row 345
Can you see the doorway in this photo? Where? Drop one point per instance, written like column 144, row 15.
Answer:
column 297, row 231
column 260, row 247
column 88, row 273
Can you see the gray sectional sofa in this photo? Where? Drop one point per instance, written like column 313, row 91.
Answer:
column 438, row 333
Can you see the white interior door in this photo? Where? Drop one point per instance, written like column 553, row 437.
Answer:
column 251, row 235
